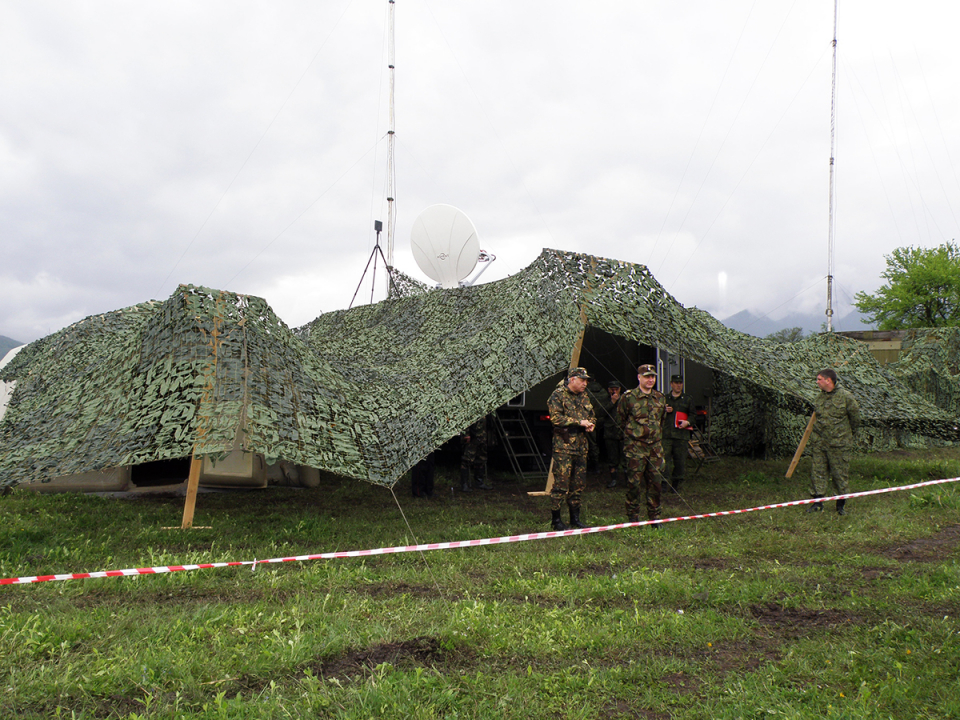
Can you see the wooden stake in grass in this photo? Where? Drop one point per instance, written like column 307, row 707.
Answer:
column 193, row 482
column 801, row 446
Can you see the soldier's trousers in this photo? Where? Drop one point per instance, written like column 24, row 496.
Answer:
column 643, row 483
column 675, row 454
column 830, row 463
column 569, row 478
column 474, row 458
column 613, row 445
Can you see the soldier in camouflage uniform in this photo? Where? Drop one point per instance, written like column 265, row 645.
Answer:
column 832, row 442
column 572, row 417
column 474, row 440
column 640, row 412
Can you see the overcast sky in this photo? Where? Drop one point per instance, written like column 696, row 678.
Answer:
column 242, row 145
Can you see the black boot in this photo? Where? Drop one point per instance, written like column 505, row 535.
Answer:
column 840, row 504
column 465, row 479
column 817, row 506
column 556, row 522
column 575, row 518
column 612, row 482
column 482, row 483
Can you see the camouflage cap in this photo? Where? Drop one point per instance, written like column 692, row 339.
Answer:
column 676, row 378
column 614, row 383
column 647, row 370
column 578, row 372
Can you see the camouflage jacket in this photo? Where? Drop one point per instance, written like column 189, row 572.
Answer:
column 679, row 404
column 838, row 417
column 640, row 417
column 567, row 409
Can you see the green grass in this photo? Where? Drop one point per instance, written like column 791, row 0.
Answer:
column 777, row 613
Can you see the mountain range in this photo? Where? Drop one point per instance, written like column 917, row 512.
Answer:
column 7, row 344
column 761, row 326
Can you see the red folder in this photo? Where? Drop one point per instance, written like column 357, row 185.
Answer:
column 678, row 418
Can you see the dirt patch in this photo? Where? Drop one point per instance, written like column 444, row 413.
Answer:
column 402, row 588
column 736, row 657
column 621, row 709
column 718, row 563
column 873, row 573
column 418, row 652
column 682, row 683
column 797, row 622
column 118, row 706
column 941, row 546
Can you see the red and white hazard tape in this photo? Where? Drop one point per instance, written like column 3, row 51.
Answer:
column 451, row 545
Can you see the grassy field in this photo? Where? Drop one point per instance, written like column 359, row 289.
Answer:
column 776, row 613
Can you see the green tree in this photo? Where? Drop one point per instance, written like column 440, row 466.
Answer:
column 922, row 289
column 786, row 335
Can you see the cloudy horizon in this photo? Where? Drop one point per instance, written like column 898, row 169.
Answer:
column 242, row 146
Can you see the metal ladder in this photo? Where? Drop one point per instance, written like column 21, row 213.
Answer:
column 519, row 443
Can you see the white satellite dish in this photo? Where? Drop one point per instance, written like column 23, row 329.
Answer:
column 444, row 244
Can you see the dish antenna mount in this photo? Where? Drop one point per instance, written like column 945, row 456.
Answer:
column 444, row 244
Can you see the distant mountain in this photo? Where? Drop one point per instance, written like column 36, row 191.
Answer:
column 7, row 344
column 746, row 322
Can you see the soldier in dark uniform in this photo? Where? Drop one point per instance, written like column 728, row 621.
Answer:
column 474, row 440
column 676, row 431
column 596, row 393
column 421, row 477
column 640, row 412
column 833, row 439
column 610, row 429
column 572, row 417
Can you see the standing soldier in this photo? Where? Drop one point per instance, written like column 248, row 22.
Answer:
column 838, row 417
column 474, row 440
column 610, row 429
column 676, row 431
column 571, row 415
column 640, row 412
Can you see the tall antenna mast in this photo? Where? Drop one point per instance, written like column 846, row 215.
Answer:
column 391, row 134
column 833, row 137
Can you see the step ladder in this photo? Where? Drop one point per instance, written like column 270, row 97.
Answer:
column 519, row 443
column 701, row 450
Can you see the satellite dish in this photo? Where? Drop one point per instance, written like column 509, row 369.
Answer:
column 444, row 244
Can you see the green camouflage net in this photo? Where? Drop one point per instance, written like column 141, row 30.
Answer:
column 368, row 392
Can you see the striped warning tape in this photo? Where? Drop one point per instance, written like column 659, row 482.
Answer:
column 451, row 545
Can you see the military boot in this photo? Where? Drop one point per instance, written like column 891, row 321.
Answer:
column 817, row 506
column 465, row 479
column 556, row 523
column 482, row 483
column 575, row 518
column 612, row 482
column 840, row 504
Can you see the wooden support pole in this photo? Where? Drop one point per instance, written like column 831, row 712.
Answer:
column 801, row 446
column 549, row 488
column 192, row 484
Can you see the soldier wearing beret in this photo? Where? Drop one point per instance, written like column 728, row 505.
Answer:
column 572, row 417
column 676, row 431
column 640, row 412
column 832, row 442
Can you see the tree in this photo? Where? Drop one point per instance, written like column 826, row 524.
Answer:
column 922, row 289
column 786, row 335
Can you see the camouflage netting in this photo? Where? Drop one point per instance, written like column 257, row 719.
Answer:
column 929, row 363
column 368, row 392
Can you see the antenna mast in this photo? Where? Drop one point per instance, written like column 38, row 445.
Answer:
column 391, row 133
column 833, row 135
